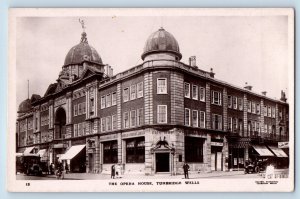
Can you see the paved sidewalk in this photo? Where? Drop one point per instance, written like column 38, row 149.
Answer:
column 93, row 176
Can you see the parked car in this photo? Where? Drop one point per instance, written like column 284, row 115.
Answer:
column 256, row 166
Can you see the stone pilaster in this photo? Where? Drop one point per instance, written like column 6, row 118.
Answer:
column 245, row 116
column 207, row 155
column 87, row 100
column 208, row 104
column 100, row 156
column 119, row 107
column 225, row 106
column 97, row 155
column 119, row 140
column 262, row 118
column 276, row 121
column 149, row 170
column 69, row 108
column 148, row 98
column 177, row 99
column 225, row 152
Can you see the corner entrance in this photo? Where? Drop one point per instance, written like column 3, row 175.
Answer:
column 162, row 162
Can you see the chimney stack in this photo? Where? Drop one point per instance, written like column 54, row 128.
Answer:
column 264, row 93
column 248, row 87
column 192, row 61
column 283, row 97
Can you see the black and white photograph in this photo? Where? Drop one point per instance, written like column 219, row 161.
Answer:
column 151, row 100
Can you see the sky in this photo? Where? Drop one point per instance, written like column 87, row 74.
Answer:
column 239, row 49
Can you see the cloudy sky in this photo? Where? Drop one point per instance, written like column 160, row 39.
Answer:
column 239, row 49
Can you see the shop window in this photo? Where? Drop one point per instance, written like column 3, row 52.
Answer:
column 110, row 152
column 193, row 148
column 135, row 150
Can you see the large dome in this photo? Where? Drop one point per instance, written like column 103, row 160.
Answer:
column 161, row 41
column 82, row 52
column 24, row 106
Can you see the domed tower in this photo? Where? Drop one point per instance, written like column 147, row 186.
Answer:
column 79, row 58
column 161, row 45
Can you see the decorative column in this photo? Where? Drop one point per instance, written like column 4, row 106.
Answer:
column 225, row 106
column 208, row 153
column 276, row 121
column 119, row 107
column 225, row 152
column 149, row 170
column 262, row 118
column 69, row 115
column 148, row 98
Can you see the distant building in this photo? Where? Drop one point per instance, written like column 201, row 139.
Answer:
column 150, row 118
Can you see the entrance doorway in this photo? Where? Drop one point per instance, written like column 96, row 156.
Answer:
column 162, row 162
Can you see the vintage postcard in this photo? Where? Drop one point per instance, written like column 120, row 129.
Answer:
column 151, row 100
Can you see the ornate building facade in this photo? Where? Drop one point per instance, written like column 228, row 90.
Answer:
column 151, row 118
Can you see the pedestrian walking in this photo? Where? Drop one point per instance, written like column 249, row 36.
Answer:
column 186, row 169
column 118, row 170
column 113, row 171
column 67, row 167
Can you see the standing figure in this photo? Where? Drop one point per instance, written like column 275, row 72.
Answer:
column 113, row 171
column 67, row 167
column 186, row 168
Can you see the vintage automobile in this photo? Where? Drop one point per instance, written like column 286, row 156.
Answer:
column 256, row 166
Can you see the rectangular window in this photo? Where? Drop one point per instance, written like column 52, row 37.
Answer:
column 195, row 92
column 75, row 130
column 229, row 101
column 265, row 111
column 132, row 92
column 187, row 92
column 193, row 148
column 195, row 118
column 126, row 120
column 132, row 118
column 79, row 129
column 217, row 122
column 269, row 112
column 103, row 124
column 92, row 106
column 162, row 114
column 202, row 119
column 108, row 123
column 216, row 98
column 273, row 112
column 187, row 117
column 161, row 86
column 235, row 124
column 249, row 106
column 240, row 102
column 135, row 150
column 234, row 99
column 75, row 110
column 230, row 124
column 253, row 107
column 114, row 122
column 114, row 99
column 258, row 109
column 140, row 90
column 83, row 108
column 125, row 94
column 108, row 100
column 202, row 94
column 140, row 117
column 110, row 152
column 102, row 102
